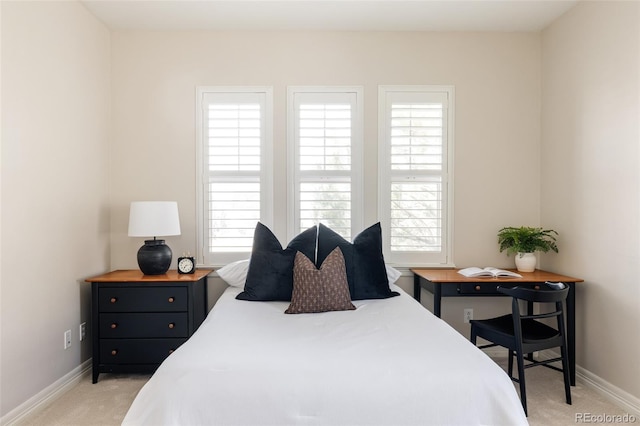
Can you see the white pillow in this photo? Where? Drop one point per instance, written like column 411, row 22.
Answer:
column 235, row 273
column 392, row 274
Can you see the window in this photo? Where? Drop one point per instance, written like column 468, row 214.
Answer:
column 325, row 168
column 235, row 169
column 415, row 189
column 325, row 158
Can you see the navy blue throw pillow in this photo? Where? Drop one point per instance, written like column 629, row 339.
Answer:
column 366, row 272
column 270, row 274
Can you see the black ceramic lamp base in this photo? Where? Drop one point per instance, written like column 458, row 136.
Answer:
column 154, row 257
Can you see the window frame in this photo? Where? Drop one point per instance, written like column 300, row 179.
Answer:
column 415, row 258
column 203, row 255
column 357, row 150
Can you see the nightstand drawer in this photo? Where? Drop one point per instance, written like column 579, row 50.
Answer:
column 142, row 299
column 137, row 351
column 120, row 325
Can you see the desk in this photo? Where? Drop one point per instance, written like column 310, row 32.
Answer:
column 449, row 283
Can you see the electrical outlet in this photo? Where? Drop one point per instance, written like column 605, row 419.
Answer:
column 67, row 339
column 468, row 314
column 83, row 331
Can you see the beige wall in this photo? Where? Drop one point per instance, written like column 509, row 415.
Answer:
column 591, row 178
column 55, row 207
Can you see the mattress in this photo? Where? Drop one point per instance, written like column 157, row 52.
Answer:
column 389, row 362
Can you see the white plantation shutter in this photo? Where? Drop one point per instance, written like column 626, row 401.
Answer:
column 325, row 155
column 416, row 215
column 236, row 161
column 234, row 135
column 234, row 210
column 327, row 201
column 325, row 132
column 415, row 138
column 416, row 135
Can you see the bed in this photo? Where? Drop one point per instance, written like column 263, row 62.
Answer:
column 317, row 333
column 388, row 362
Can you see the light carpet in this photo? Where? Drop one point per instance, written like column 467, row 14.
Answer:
column 106, row 402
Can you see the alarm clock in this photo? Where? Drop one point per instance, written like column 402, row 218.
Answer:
column 186, row 265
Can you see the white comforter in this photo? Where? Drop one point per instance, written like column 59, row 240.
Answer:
column 389, row 362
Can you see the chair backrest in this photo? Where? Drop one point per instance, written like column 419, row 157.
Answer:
column 545, row 294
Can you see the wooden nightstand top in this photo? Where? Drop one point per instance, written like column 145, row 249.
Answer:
column 135, row 275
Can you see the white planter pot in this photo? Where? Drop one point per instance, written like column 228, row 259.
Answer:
column 526, row 262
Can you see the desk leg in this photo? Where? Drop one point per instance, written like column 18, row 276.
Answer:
column 571, row 332
column 416, row 287
column 437, row 293
column 437, row 299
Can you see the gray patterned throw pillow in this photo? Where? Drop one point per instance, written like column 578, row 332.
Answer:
column 320, row 290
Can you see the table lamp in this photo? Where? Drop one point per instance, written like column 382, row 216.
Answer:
column 154, row 219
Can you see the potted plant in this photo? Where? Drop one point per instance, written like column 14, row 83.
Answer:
column 524, row 242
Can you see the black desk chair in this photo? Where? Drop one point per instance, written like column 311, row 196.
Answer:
column 524, row 334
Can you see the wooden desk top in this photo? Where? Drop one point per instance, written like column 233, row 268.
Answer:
column 136, row 275
column 452, row 276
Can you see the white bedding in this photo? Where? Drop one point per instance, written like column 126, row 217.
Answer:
column 389, row 362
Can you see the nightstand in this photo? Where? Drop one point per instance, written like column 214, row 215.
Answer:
column 138, row 320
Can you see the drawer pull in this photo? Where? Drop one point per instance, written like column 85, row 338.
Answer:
column 172, row 325
column 114, row 352
column 478, row 288
column 114, row 325
column 113, row 300
column 171, row 299
column 537, row 287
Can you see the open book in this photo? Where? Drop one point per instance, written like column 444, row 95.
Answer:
column 489, row 271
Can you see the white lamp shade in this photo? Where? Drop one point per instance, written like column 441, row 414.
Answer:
column 153, row 219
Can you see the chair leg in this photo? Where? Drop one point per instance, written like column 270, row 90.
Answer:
column 510, row 363
column 565, row 372
column 473, row 336
column 523, row 391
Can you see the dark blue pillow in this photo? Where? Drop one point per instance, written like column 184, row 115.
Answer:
column 366, row 272
column 270, row 274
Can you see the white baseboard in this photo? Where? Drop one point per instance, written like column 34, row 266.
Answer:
column 620, row 397
column 613, row 393
column 50, row 393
